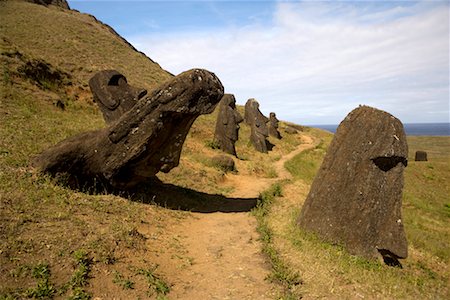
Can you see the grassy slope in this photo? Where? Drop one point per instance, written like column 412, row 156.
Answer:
column 75, row 43
column 328, row 271
column 61, row 243
column 46, row 224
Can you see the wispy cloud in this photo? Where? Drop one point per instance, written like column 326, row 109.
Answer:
column 318, row 60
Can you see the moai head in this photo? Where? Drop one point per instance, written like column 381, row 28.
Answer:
column 356, row 196
column 113, row 94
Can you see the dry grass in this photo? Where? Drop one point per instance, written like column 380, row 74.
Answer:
column 75, row 43
column 329, row 271
column 68, row 243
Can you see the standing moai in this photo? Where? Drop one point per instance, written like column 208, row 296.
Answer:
column 258, row 125
column 227, row 125
column 356, row 197
column 273, row 126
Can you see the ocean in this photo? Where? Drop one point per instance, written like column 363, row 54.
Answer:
column 435, row 129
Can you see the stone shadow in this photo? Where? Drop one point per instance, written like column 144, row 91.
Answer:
column 179, row 198
column 170, row 196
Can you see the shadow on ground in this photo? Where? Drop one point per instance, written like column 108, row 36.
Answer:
column 168, row 195
column 179, row 198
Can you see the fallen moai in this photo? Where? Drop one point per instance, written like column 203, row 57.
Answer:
column 145, row 140
column 227, row 125
column 355, row 198
column 113, row 94
column 258, row 125
column 273, row 126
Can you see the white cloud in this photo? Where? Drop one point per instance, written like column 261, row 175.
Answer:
column 318, row 61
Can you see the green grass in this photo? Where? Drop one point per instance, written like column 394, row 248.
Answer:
column 280, row 272
column 124, row 283
column 425, row 272
column 80, row 45
column 156, row 283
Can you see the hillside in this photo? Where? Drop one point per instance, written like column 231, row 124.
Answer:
column 191, row 235
column 74, row 43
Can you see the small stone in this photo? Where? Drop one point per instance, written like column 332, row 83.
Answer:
column 421, row 156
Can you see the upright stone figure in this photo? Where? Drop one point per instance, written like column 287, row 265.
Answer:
column 257, row 122
column 113, row 94
column 273, row 126
column 146, row 139
column 356, row 197
column 227, row 125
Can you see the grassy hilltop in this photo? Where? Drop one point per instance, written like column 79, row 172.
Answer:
column 60, row 243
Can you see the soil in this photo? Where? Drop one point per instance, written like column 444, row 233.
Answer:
column 222, row 250
column 214, row 255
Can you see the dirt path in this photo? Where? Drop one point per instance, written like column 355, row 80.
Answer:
column 220, row 252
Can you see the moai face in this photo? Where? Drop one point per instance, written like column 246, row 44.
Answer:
column 113, row 94
column 356, row 196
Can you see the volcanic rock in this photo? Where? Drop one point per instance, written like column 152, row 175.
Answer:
column 223, row 162
column 227, row 125
column 60, row 3
column 421, row 156
column 290, row 130
column 113, row 94
column 145, row 140
column 355, row 199
column 273, row 126
column 257, row 122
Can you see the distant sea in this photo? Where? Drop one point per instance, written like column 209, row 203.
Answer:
column 410, row 128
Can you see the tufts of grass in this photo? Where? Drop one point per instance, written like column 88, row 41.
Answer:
column 305, row 165
column 44, row 289
column 155, row 283
column 330, row 271
column 281, row 273
column 124, row 283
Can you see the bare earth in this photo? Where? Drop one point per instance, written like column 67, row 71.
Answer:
column 219, row 253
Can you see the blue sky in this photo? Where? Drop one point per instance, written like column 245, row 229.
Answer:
column 311, row 62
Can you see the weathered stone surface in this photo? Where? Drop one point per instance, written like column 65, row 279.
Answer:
column 273, row 126
column 227, row 125
column 113, row 94
column 355, row 199
column 145, row 140
column 60, row 3
column 257, row 122
column 223, row 162
column 421, row 156
column 290, row 130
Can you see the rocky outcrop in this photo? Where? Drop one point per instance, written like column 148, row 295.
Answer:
column 223, row 162
column 258, row 125
column 113, row 94
column 421, row 156
column 145, row 140
column 227, row 125
column 273, row 126
column 355, row 199
column 290, row 130
column 60, row 3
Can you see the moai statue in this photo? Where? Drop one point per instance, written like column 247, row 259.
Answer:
column 227, row 125
column 146, row 139
column 258, row 125
column 113, row 94
column 273, row 126
column 356, row 197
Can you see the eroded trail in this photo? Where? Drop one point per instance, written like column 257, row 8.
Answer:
column 220, row 255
